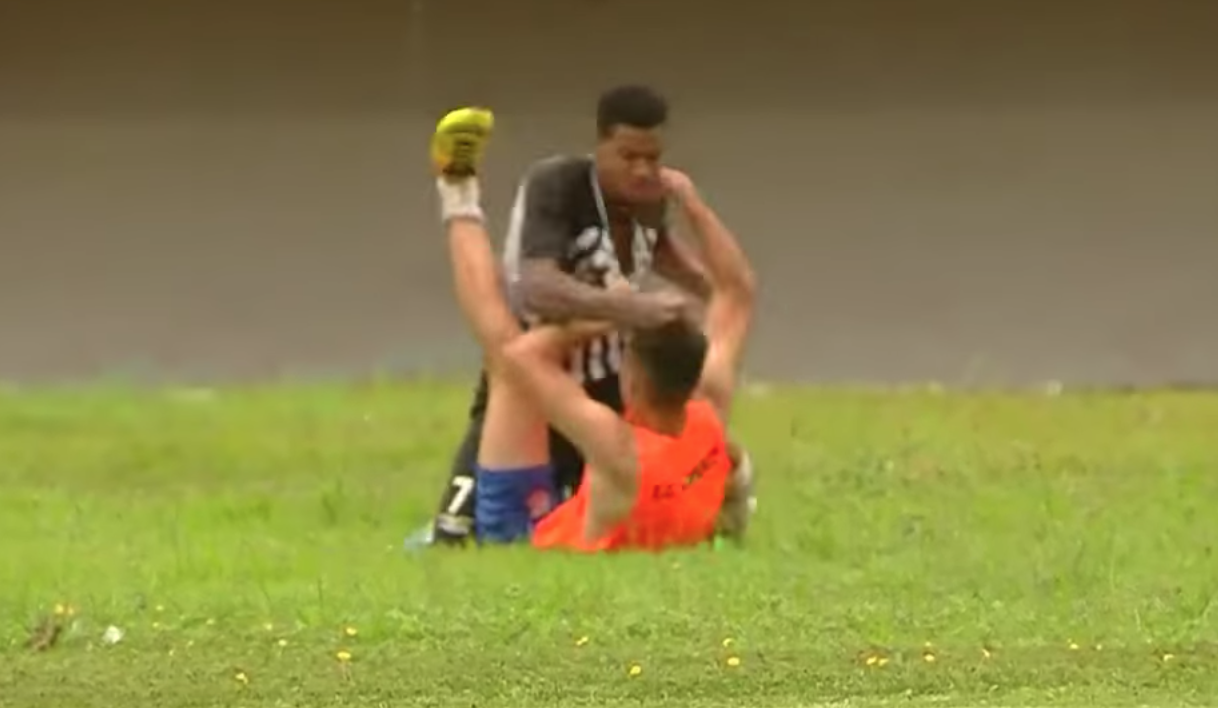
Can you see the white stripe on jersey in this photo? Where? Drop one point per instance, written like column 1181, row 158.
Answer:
column 511, row 242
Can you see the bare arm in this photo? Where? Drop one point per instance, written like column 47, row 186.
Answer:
column 533, row 360
column 678, row 261
column 730, row 311
column 729, row 317
column 555, row 296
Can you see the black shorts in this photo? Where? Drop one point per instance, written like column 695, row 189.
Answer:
column 455, row 516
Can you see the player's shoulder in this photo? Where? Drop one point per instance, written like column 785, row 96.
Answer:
column 562, row 172
column 703, row 412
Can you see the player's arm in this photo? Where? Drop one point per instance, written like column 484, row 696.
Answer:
column 729, row 317
column 729, row 313
column 678, row 261
column 540, row 235
column 534, row 361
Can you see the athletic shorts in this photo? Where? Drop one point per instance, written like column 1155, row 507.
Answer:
column 510, row 502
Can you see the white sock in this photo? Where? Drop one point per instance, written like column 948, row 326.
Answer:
column 459, row 198
column 744, row 477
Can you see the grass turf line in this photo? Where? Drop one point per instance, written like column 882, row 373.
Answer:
column 910, row 548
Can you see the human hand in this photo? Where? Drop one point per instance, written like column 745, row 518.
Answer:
column 677, row 184
column 656, row 309
column 617, row 283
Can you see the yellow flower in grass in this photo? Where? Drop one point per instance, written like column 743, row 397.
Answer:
column 635, row 670
column 343, row 655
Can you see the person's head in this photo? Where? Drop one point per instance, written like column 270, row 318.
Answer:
column 629, row 122
column 663, row 366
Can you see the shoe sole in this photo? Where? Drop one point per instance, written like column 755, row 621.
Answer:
column 460, row 139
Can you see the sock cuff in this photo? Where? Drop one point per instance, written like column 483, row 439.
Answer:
column 510, row 501
column 459, row 199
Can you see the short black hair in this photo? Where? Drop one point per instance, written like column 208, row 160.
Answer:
column 633, row 105
column 671, row 357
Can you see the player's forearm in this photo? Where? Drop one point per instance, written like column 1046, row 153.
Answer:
column 677, row 261
column 556, row 296
column 727, row 267
column 479, row 286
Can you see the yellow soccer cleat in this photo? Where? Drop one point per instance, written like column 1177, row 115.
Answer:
column 459, row 141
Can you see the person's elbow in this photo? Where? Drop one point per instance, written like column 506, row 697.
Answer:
column 748, row 282
column 742, row 288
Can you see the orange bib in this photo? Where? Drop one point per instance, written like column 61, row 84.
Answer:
column 682, row 481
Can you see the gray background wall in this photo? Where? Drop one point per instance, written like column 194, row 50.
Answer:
column 1001, row 191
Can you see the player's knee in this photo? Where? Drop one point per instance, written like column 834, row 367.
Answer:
column 509, row 502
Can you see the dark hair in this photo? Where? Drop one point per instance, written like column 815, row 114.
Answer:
column 632, row 105
column 671, row 357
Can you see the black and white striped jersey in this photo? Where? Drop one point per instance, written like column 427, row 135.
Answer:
column 559, row 213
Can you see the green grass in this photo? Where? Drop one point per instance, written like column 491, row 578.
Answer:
column 244, row 533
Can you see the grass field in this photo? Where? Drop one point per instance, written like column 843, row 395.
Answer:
column 911, row 548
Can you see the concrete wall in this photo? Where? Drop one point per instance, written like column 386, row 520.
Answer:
column 1000, row 191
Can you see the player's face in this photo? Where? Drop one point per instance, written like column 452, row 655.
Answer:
column 628, row 164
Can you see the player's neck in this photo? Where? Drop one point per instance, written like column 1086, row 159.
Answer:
column 617, row 207
column 659, row 420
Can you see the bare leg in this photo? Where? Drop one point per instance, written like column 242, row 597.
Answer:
column 514, row 434
column 514, row 482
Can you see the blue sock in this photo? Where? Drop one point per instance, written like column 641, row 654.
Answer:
column 508, row 502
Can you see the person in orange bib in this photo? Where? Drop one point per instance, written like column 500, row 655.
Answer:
column 664, row 474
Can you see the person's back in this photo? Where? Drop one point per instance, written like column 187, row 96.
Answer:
column 682, row 482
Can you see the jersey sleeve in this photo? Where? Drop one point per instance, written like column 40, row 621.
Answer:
column 540, row 224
